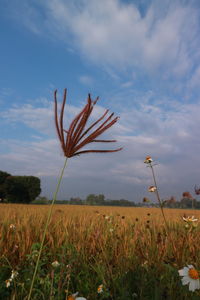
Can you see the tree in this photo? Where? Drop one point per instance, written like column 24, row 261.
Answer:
column 32, row 184
column 3, row 177
column 188, row 201
column 22, row 189
column 90, row 199
column 93, row 199
column 75, row 201
column 100, row 199
column 170, row 202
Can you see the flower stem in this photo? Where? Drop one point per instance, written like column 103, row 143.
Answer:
column 158, row 196
column 45, row 228
column 162, row 210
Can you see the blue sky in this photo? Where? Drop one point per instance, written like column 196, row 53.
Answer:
column 142, row 58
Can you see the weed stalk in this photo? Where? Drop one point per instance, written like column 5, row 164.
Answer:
column 161, row 206
column 45, row 228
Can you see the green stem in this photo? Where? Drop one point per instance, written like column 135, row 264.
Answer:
column 158, row 197
column 45, row 228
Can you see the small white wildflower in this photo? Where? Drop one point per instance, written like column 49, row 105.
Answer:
column 12, row 226
column 100, row 289
column 55, row 264
column 14, row 274
column 8, row 281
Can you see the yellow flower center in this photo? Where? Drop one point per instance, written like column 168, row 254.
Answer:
column 193, row 274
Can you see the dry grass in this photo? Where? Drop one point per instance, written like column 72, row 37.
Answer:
column 79, row 224
column 109, row 240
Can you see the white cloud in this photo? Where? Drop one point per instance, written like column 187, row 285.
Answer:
column 33, row 120
column 171, row 137
column 40, row 117
column 85, row 79
column 127, row 84
column 195, row 79
column 114, row 33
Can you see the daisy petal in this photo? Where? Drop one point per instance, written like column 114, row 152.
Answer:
column 184, row 271
column 192, row 285
column 197, row 284
column 185, row 280
column 190, row 267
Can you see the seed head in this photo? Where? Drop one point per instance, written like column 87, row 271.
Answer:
column 78, row 136
column 197, row 190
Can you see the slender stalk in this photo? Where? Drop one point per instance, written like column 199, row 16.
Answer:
column 158, row 196
column 45, row 228
column 161, row 207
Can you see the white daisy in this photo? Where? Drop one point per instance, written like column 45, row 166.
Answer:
column 191, row 276
column 190, row 219
column 100, row 289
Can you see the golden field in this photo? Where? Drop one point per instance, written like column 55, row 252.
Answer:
column 107, row 242
column 70, row 221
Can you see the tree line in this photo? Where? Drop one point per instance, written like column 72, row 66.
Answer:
column 26, row 189
column 91, row 199
column 99, row 200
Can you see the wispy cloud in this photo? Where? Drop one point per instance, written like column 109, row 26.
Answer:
column 115, row 33
column 171, row 137
column 87, row 80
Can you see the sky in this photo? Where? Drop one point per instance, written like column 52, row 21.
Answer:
column 141, row 57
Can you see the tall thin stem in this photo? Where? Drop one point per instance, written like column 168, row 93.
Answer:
column 161, row 207
column 46, row 226
column 158, row 196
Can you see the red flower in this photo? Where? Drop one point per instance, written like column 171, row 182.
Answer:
column 77, row 136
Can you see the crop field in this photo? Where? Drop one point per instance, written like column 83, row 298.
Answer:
column 101, row 252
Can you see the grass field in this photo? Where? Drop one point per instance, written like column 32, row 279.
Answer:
column 127, row 250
